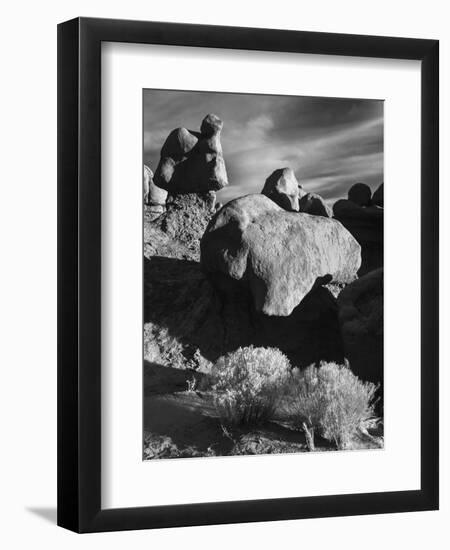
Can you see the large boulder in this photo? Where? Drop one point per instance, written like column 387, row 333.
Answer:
column 314, row 204
column 279, row 256
column 189, row 324
column 283, row 188
column 378, row 197
column 192, row 162
column 153, row 195
column 360, row 311
column 366, row 225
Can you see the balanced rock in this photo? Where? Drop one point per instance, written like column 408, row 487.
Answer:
column 360, row 194
column 283, row 188
column 314, row 204
column 278, row 256
column 192, row 162
column 153, row 195
column 378, row 197
column 360, row 311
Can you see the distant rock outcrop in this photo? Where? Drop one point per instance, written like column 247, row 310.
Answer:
column 192, row 162
column 283, row 188
column 313, row 204
column 365, row 223
column 378, row 197
column 360, row 194
column 360, row 310
column 279, row 256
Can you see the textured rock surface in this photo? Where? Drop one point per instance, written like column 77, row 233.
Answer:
column 153, row 195
column 283, row 188
column 360, row 194
column 186, row 219
column 313, row 204
column 360, row 307
column 193, row 162
column 280, row 256
column 378, row 197
column 366, row 225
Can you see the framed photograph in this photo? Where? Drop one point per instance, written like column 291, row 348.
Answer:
column 246, row 332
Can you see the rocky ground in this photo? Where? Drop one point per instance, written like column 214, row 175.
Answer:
column 182, row 423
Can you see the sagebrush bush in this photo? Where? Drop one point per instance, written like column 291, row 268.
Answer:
column 330, row 398
column 248, row 383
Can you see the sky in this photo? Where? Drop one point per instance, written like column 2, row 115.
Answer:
column 330, row 143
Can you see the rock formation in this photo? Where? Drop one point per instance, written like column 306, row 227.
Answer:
column 378, row 197
column 148, row 175
column 154, row 197
column 189, row 324
column 365, row 223
column 279, row 256
column 192, row 162
column 360, row 310
column 187, row 217
column 313, row 204
column 360, row 194
column 283, row 188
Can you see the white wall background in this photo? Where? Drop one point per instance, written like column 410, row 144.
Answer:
column 28, row 274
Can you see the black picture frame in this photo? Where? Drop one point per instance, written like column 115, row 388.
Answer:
column 79, row 274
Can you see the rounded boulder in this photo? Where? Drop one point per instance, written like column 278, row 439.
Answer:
column 360, row 194
column 314, row 204
column 283, row 188
column 153, row 195
column 278, row 256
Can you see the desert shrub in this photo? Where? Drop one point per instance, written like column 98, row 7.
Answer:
column 331, row 399
column 248, row 383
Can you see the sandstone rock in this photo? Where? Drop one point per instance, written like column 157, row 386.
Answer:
column 313, row 204
column 153, row 195
column 186, row 218
column 360, row 194
column 366, row 225
column 192, row 162
column 360, row 310
column 378, row 197
column 279, row 256
column 283, row 188
column 152, row 213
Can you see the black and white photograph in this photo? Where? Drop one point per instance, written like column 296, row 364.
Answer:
column 214, row 335
column 263, row 274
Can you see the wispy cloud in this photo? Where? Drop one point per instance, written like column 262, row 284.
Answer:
column 330, row 143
